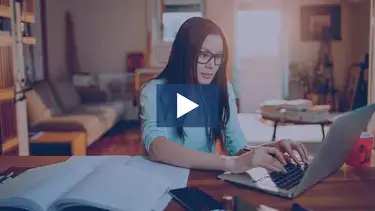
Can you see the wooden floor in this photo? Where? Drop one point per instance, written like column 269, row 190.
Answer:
column 123, row 139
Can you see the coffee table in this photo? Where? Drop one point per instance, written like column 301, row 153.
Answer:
column 276, row 122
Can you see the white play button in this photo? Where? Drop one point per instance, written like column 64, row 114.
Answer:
column 184, row 105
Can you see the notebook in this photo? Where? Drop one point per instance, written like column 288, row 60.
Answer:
column 114, row 183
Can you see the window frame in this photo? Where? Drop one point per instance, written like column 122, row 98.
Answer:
column 179, row 7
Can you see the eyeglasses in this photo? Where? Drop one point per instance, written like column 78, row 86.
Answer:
column 205, row 57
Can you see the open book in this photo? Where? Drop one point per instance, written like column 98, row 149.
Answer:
column 115, row 183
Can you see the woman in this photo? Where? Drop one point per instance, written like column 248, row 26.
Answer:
column 199, row 55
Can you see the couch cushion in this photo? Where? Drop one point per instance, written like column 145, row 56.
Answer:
column 41, row 103
column 45, row 92
column 66, row 95
column 36, row 109
column 75, row 122
column 108, row 112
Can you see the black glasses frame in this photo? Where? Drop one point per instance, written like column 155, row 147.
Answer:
column 212, row 56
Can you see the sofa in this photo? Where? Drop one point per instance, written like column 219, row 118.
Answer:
column 56, row 106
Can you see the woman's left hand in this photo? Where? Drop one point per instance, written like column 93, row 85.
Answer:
column 288, row 146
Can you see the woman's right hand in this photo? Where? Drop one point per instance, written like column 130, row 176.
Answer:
column 259, row 157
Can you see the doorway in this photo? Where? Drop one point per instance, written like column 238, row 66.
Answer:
column 259, row 57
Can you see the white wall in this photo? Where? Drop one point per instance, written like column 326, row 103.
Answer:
column 222, row 13
column 55, row 35
column 36, row 30
column 359, row 30
column 105, row 32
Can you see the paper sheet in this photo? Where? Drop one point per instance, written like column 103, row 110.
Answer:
column 148, row 174
column 118, row 187
column 177, row 176
column 94, row 161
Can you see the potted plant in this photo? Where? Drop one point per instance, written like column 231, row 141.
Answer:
column 300, row 77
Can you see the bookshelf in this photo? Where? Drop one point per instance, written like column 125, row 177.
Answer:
column 8, row 127
column 6, row 94
column 5, row 9
column 13, row 115
column 29, row 40
column 28, row 11
column 6, row 40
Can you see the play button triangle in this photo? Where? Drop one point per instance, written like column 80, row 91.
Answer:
column 184, row 105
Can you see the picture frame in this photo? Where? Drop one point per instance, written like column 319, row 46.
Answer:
column 315, row 18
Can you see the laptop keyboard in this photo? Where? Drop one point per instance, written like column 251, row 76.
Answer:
column 292, row 178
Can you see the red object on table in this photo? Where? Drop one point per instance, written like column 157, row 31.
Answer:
column 361, row 153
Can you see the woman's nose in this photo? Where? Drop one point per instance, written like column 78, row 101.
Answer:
column 210, row 64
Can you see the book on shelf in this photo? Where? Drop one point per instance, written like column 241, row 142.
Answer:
column 112, row 183
column 8, row 127
column 28, row 6
column 5, row 3
column 6, row 67
column 5, row 26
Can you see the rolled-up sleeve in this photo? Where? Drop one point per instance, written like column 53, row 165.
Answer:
column 235, row 139
column 148, row 106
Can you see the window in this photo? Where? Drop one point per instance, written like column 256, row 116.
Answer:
column 260, row 56
column 175, row 15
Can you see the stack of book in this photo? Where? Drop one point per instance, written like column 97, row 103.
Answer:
column 8, row 121
column 6, row 67
column 299, row 110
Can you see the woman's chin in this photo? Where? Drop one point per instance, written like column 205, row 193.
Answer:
column 204, row 81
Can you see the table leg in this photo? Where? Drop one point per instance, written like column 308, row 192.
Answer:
column 322, row 125
column 274, row 131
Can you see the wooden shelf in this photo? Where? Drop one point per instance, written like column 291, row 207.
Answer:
column 6, row 94
column 10, row 144
column 29, row 40
column 5, row 40
column 28, row 18
column 5, row 12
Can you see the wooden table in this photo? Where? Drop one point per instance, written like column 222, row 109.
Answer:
column 66, row 143
column 348, row 189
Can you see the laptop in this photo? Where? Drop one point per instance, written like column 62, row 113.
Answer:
column 329, row 157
